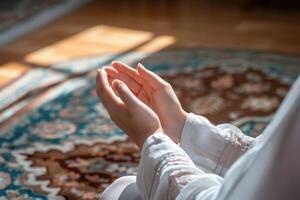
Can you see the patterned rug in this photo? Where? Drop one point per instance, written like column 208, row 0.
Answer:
column 57, row 141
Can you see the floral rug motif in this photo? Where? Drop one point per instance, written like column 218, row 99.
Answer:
column 228, row 95
column 61, row 143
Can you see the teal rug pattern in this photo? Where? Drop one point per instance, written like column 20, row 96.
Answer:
column 59, row 142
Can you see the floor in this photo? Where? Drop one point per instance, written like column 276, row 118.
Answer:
column 105, row 27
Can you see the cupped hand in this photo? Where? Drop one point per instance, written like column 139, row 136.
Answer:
column 154, row 92
column 127, row 111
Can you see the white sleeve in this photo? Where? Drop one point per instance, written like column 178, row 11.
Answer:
column 213, row 148
column 166, row 171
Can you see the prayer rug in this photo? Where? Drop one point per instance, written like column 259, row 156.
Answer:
column 58, row 142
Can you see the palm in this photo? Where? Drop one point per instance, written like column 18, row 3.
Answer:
column 155, row 93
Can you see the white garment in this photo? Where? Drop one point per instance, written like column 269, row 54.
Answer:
column 194, row 170
column 124, row 188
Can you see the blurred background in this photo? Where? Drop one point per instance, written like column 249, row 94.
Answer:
column 232, row 61
column 40, row 33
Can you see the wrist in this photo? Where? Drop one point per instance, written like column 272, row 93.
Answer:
column 140, row 140
column 174, row 130
column 181, row 123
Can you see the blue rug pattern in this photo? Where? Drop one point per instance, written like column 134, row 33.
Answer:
column 59, row 143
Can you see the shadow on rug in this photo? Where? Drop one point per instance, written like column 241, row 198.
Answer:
column 61, row 144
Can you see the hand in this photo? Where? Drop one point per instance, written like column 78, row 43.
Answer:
column 154, row 92
column 129, row 113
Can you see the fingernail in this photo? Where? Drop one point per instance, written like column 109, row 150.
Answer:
column 120, row 85
column 116, row 83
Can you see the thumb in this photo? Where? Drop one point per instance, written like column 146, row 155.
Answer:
column 125, row 94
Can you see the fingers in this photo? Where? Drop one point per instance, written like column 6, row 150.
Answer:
column 139, row 90
column 151, row 78
column 108, row 97
column 126, row 95
column 146, row 76
column 111, row 73
column 142, row 95
column 132, row 73
column 134, row 86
